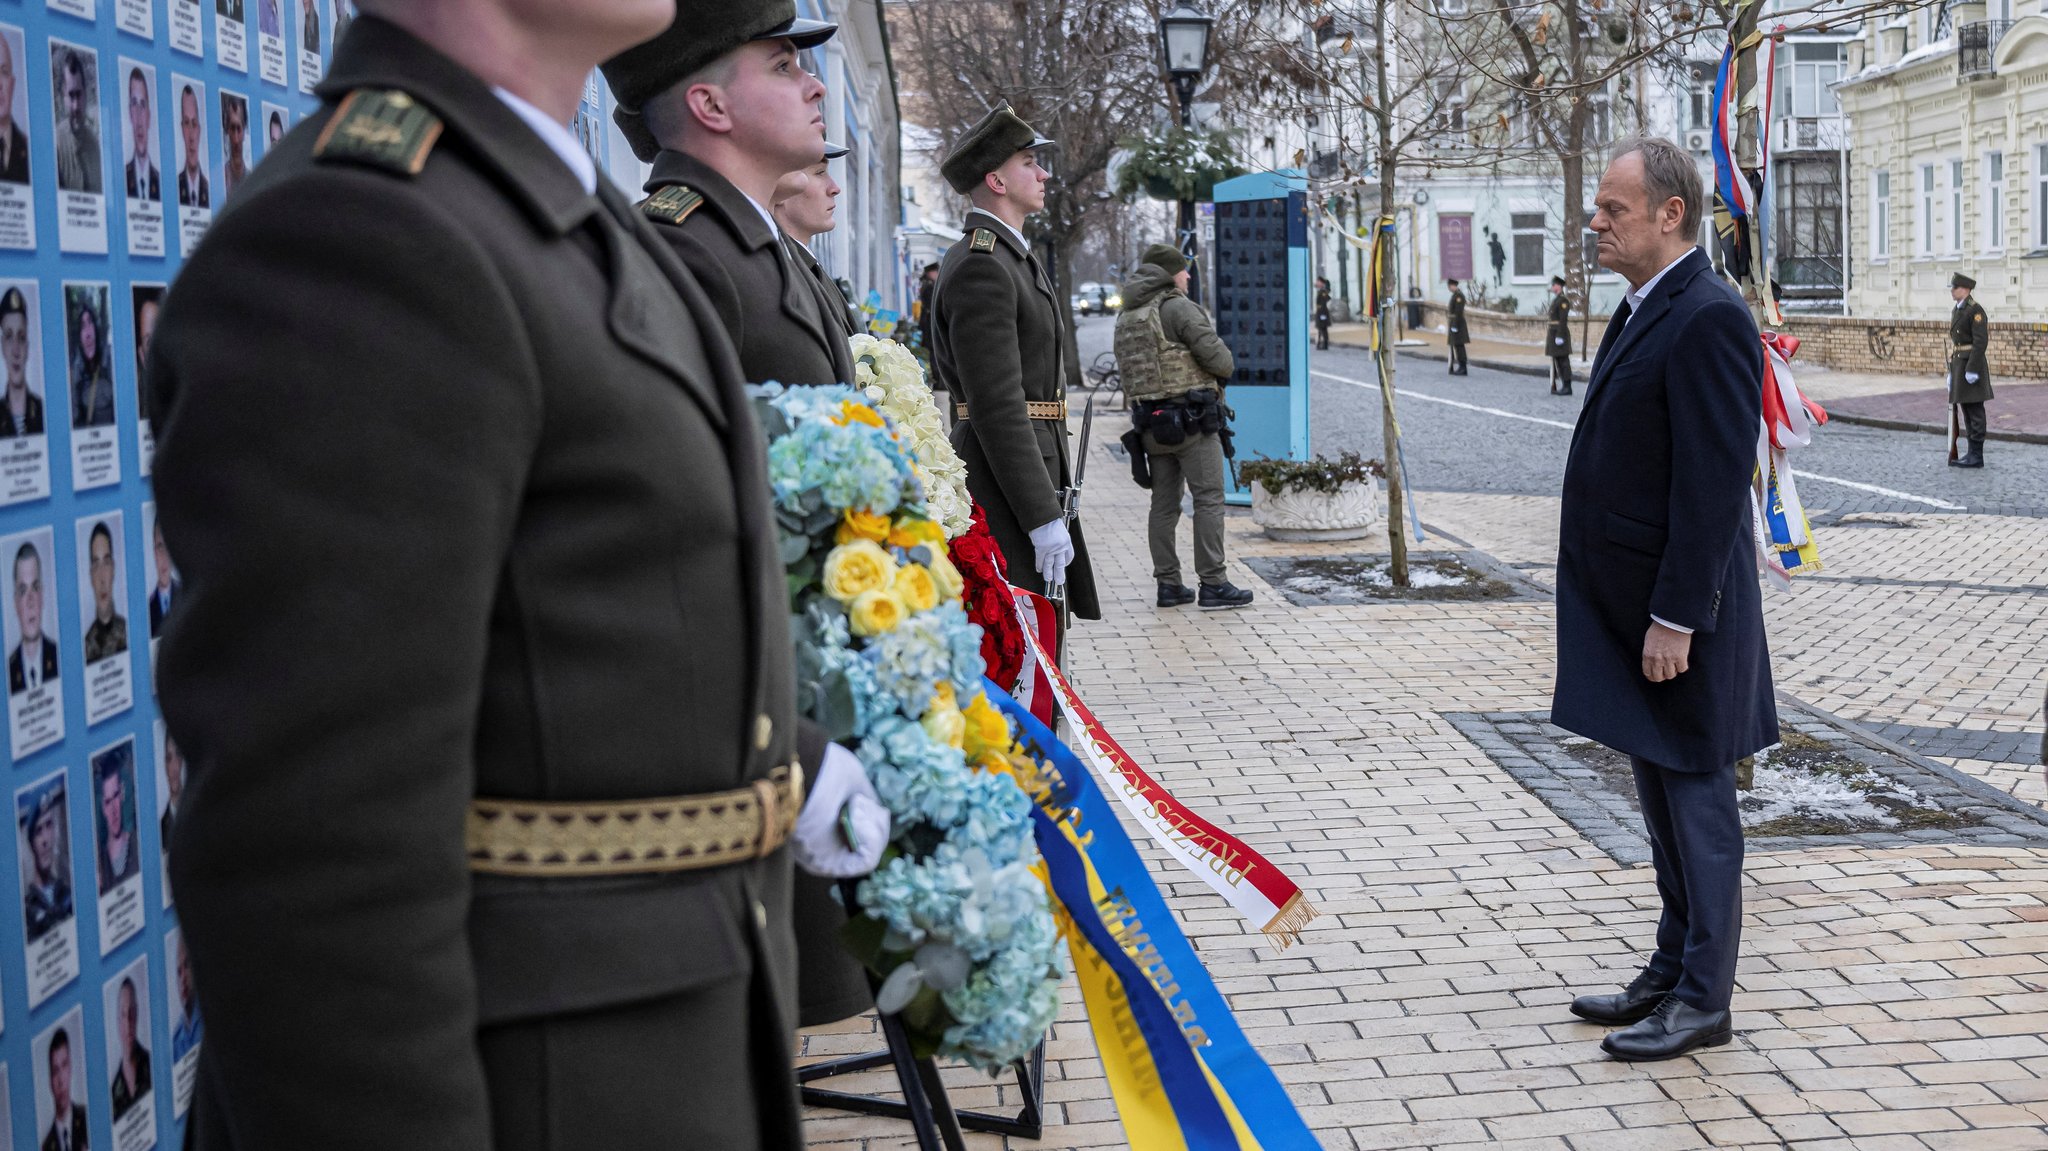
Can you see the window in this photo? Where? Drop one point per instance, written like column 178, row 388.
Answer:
column 1993, row 224
column 1803, row 78
column 2041, row 196
column 1589, row 245
column 1923, row 226
column 1450, row 7
column 1808, row 202
column 1955, row 205
column 1880, row 215
column 1599, row 121
column 1528, row 229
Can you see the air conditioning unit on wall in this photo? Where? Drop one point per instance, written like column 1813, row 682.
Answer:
column 1697, row 140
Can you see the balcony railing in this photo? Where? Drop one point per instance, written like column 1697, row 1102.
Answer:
column 1977, row 45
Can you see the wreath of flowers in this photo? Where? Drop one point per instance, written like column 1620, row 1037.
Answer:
column 956, row 919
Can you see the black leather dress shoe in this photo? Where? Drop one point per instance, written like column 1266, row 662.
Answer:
column 1636, row 1001
column 1672, row 1030
column 1175, row 594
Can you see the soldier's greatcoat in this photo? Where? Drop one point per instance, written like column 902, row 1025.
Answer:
column 997, row 342
column 830, row 298
column 1558, row 340
column 1970, row 332
column 467, row 500
column 1455, row 330
column 766, row 302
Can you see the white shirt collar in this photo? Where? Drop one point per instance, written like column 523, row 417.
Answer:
column 1636, row 298
column 557, row 137
column 773, row 227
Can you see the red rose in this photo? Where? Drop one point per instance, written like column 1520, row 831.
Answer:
column 988, row 601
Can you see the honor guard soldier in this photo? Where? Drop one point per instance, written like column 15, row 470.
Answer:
column 804, row 206
column 1456, row 336
column 722, row 107
column 1000, row 347
column 1969, row 372
column 1557, row 343
column 495, row 767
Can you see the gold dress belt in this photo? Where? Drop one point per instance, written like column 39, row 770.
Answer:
column 1034, row 409
column 647, row 836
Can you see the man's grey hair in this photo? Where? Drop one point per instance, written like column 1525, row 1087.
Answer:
column 1668, row 170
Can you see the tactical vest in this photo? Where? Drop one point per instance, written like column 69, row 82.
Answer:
column 1154, row 367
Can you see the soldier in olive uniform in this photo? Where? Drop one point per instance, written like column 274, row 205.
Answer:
column 1557, row 343
column 519, row 578
column 1000, row 347
column 804, row 203
column 1969, row 372
column 1455, row 334
column 722, row 107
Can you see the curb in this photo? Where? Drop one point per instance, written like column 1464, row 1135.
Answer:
column 1993, row 434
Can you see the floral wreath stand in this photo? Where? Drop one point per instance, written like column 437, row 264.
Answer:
column 924, row 1103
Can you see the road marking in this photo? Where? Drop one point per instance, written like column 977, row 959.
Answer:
column 1874, row 489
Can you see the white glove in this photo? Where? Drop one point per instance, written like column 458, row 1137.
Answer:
column 1055, row 548
column 1969, row 377
column 816, row 840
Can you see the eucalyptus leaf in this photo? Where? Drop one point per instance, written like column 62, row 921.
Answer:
column 794, row 548
column 899, row 989
column 945, row 965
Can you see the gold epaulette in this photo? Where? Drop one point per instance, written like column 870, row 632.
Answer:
column 673, row 204
column 380, row 128
column 984, row 241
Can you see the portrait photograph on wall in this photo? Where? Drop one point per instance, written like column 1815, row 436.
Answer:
column 164, row 584
column 310, row 44
column 270, row 61
column 49, row 900
column 117, row 856
column 230, row 35
column 17, row 191
column 24, row 411
column 187, row 1028
column 95, row 440
column 35, row 691
column 145, row 307
column 61, row 1054
column 234, row 141
column 170, row 788
column 276, row 122
column 129, row 1037
column 103, row 619
column 195, row 187
column 75, row 125
column 141, row 160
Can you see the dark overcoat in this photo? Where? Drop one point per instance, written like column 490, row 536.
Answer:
column 830, row 298
column 1969, row 330
column 467, row 500
column 1558, row 340
column 1656, row 522
column 998, row 341
column 1455, row 331
column 765, row 302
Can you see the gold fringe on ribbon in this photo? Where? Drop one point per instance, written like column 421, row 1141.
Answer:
column 1286, row 927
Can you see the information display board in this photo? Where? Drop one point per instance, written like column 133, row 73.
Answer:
column 125, row 125
column 1260, row 267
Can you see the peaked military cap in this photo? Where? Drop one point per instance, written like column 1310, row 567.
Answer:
column 703, row 31
column 13, row 304
column 1961, row 281
column 1166, row 257
column 1000, row 135
column 834, row 151
column 1558, row 280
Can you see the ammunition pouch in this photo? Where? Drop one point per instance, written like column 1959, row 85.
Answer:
column 1141, row 463
column 1197, row 413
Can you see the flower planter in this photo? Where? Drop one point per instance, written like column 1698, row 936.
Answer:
column 1305, row 515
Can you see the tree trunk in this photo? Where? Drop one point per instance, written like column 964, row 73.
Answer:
column 1384, row 163
column 1572, row 162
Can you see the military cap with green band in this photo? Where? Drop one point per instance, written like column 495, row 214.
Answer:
column 987, row 146
column 703, row 31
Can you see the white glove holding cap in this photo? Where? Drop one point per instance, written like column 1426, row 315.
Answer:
column 1969, row 377
column 1055, row 548
column 840, row 798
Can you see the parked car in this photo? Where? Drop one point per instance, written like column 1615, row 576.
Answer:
column 1098, row 299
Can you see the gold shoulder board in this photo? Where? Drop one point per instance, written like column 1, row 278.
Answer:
column 380, row 128
column 984, row 241
column 673, row 204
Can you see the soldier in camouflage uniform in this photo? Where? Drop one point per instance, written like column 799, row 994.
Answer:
column 1173, row 366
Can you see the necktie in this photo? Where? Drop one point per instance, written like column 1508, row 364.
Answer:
column 34, row 667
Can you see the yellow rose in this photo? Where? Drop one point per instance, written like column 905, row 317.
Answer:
column 875, row 612
column 946, row 578
column 860, row 525
column 915, row 587
column 851, row 412
column 945, row 724
column 987, row 730
column 856, row 568
column 916, row 531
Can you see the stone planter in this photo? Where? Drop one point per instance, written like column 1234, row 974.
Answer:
column 1300, row 515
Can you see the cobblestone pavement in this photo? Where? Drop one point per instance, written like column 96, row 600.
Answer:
column 1889, row 999
column 2017, row 408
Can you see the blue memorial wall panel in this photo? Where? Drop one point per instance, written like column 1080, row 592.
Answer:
column 1259, row 264
column 125, row 125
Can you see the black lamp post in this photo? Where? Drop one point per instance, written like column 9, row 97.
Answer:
column 1184, row 35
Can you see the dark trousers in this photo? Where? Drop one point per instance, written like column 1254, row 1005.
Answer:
column 1458, row 359
column 1560, row 373
column 1322, row 336
column 1973, row 422
column 1696, row 847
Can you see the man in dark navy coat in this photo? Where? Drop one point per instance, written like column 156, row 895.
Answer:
column 1660, row 635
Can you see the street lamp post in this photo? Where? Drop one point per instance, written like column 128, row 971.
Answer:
column 1184, row 35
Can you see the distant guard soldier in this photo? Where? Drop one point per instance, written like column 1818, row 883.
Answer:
column 1002, row 350
column 1455, row 334
column 722, row 108
column 804, row 203
column 1173, row 366
column 1969, row 372
column 1558, row 341
column 521, row 578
